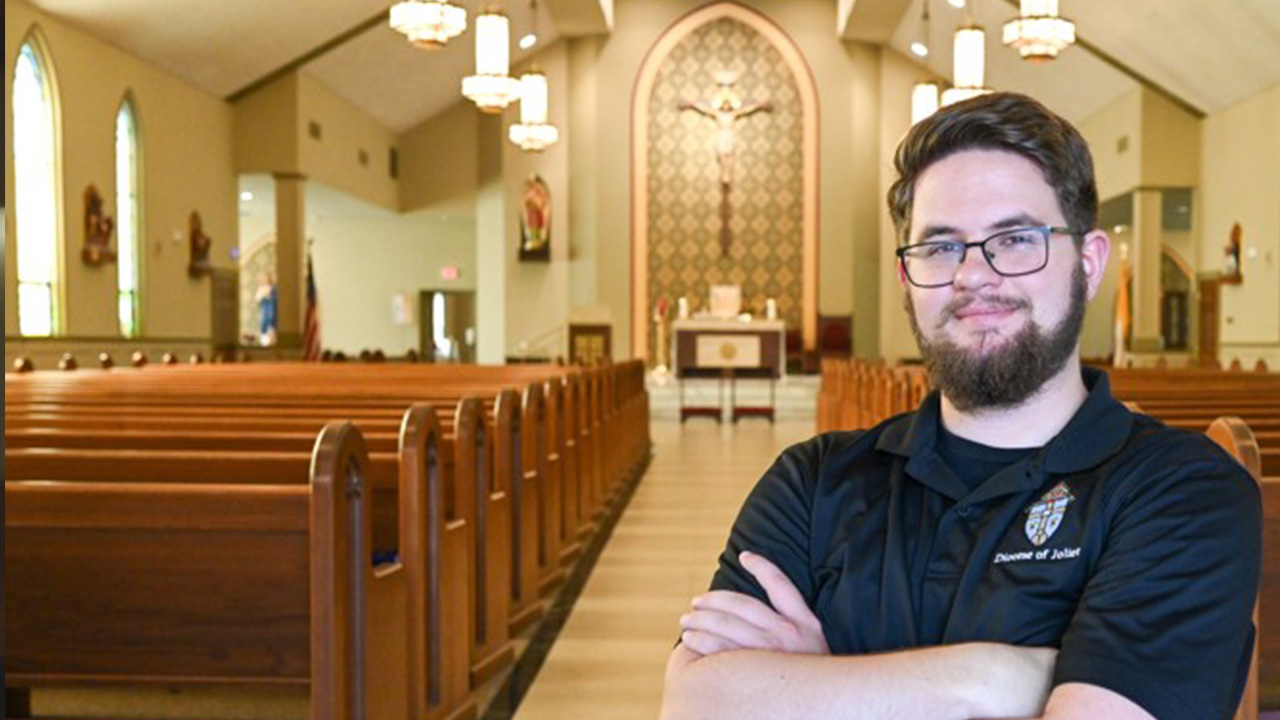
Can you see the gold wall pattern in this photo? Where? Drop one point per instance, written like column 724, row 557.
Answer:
column 683, row 181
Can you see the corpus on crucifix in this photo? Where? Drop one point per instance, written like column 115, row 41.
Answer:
column 726, row 108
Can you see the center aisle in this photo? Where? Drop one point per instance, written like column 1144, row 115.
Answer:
column 608, row 660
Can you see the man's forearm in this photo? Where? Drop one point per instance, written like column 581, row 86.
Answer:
column 951, row 682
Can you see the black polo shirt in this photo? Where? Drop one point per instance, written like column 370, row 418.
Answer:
column 1133, row 548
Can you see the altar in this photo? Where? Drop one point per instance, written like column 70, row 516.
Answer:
column 728, row 350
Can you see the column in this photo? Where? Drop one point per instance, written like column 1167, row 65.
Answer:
column 1148, row 242
column 291, row 252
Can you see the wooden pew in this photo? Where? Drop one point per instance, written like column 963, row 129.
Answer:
column 472, row 496
column 510, row 591
column 564, row 460
column 210, row 584
column 1234, row 436
column 410, row 469
column 547, row 540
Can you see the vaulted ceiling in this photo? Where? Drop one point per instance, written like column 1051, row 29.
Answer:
column 1209, row 55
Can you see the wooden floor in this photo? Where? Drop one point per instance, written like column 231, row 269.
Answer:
column 607, row 662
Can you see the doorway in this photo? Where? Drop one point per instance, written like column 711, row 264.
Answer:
column 447, row 329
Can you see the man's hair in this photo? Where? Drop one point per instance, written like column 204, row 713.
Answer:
column 999, row 121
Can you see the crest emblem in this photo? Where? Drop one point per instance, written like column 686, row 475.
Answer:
column 1045, row 516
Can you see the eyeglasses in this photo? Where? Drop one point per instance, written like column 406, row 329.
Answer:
column 1020, row 251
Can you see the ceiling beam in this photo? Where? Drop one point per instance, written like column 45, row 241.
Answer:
column 574, row 18
column 872, row 21
column 1138, row 77
column 295, row 64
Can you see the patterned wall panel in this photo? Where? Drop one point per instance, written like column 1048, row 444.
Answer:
column 685, row 256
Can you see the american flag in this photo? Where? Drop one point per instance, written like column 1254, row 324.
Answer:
column 311, row 320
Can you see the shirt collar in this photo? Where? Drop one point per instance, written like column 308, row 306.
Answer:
column 1097, row 431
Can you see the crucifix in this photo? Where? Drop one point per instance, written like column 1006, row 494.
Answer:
column 726, row 108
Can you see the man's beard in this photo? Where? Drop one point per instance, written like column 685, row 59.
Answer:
column 1011, row 374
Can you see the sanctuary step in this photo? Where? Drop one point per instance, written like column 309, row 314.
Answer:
column 795, row 397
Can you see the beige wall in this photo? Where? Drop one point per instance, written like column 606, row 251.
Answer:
column 866, row 202
column 438, row 161
column 1170, row 143
column 1118, row 171
column 274, row 135
column 584, row 175
column 537, row 293
column 490, row 242
column 1097, row 338
column 897, row 77
column 266, row 125
column 346, row 132
column 186, row 144
column 363, row 259
column 1241, row 168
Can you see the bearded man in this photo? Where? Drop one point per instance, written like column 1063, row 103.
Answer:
column 1019, row 546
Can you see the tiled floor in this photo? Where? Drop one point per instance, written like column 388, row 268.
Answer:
column 607, row 662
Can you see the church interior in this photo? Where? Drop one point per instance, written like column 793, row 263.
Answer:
column 555, row 281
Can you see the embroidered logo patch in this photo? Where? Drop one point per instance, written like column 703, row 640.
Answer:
column 1045, row 516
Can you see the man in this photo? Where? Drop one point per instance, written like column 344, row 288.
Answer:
column 1019, row 546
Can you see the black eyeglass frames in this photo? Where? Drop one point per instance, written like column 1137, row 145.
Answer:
column 1010, row 253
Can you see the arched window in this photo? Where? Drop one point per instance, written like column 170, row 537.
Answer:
column 128, row 219
column 35, row 158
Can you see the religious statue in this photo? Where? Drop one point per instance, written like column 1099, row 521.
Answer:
column 200, row 246
column 98, row 227
column 268, row 299
column 535, row 221
column 1231, row 270
column 726, row 108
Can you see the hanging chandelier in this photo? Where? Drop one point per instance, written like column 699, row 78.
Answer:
column 1038, row 33
column 924, row 101
column 533, row 133
column 968, row 65
column 429, row 24
column 491, row 88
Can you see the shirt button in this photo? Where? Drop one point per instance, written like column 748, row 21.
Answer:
column 963, row 510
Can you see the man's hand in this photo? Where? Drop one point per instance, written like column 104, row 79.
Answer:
column 722, row 620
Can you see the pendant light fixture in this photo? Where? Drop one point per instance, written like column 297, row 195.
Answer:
column 1038, row 33
column 924, row 95
column 968, row 64
column 429, row 24
column 491, row 88
column 924, row 100
column 533, row 133
column 920, row 46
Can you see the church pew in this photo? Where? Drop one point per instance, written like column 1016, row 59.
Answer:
column 560, row 457
column 553, row 458
column 1234, row 436
column 628, row 372
column 408, row 470
column 479, row 499
column 594, row 497
column 211, row 584
column 516, row 529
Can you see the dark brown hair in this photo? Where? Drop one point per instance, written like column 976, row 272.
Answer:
column 999, row 121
